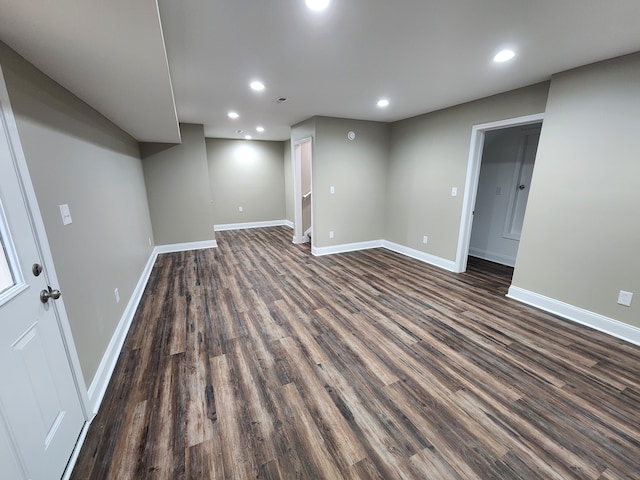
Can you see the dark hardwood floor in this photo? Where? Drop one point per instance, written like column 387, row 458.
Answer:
column 258, row 360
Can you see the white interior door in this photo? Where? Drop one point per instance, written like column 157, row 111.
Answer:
column 521, row 185
column 41, row 414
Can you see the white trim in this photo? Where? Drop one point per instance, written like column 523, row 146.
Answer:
column 492, row 257
column 346, row 247
column 242, row 226
column 76, row 452
column 394, row 247
column 418, row 255
column 184, row 247
column 110, row 358
column 471, row 182
column 596, row 321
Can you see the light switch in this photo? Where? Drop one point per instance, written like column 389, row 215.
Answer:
column 454, row 191
column 332, row 189
column 66, row 214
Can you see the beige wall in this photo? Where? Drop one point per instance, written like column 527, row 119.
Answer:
column 76, row 156
column 429, row 156
column 357, row 169
column 178, row 190
column 248, row 174
column 288, row 182
column 581, row 232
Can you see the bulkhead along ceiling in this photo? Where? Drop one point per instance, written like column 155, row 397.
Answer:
column 148, row 65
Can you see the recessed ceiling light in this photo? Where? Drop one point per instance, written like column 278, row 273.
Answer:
column 260, row 129
column 383, row 103
column 233, row 115
column 257, row 86
column 247, row 137
column 317, row 4
column 504, row 56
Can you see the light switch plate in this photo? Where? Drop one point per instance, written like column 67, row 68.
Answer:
column 454, row 191
column 66, row 214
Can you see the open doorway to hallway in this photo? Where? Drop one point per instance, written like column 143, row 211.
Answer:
column 503, row 188
column 303, row 208
column 476, row 150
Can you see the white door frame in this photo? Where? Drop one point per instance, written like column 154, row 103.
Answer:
column 298, row 233
column 42, row 243
column 473, row 175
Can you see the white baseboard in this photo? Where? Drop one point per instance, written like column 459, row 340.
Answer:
column 345, row 247
column 108, row 363
column 576, row 314
column 76, row 452
column 422, row 256
column 183, row 247
column 493, row 257
column 241, row 226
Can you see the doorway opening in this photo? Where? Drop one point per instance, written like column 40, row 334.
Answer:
column 510, row 147
column 303, row 193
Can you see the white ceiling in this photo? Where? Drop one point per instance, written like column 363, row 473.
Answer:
column 109, row 53
column 422, row 55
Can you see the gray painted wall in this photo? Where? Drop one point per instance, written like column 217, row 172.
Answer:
column 76, row 156
column 246, row 173
column 178, row 190
column 581, row 231
column 357, row 169
column 429, row 156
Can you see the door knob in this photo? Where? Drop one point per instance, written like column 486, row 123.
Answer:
column 45, row 295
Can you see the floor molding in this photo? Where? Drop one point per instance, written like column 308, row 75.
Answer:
column 345, row 247
column 76, row 452
column 422, row 256
column 596, row 321
column 493, row 257
column 241, row 226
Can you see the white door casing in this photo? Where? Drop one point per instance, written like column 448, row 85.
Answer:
column 42, row 394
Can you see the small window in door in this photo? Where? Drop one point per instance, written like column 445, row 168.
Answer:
column 6, row 276
column 11, row 277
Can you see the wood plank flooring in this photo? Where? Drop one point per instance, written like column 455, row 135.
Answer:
column 258, row 360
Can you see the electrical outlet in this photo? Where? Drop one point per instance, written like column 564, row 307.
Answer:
column 624, row 298
column 331, row 234
column 117, row 295
column 240, row 209
column 425, row 239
